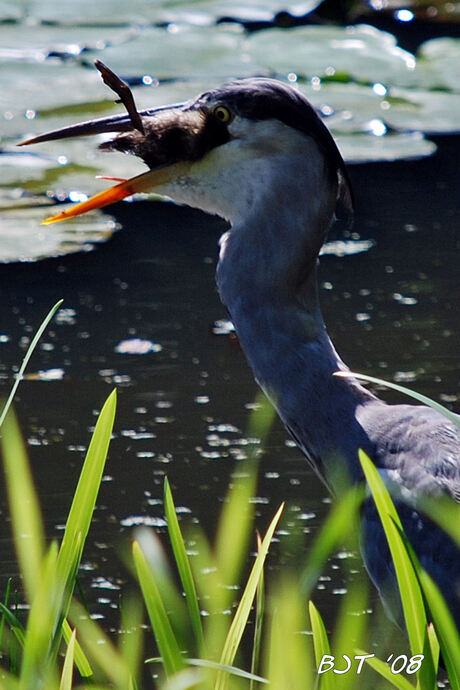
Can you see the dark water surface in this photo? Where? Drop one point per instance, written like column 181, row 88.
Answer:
column 183, row 409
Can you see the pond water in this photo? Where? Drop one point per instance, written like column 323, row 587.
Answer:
column 184, row 405
column 141, row 313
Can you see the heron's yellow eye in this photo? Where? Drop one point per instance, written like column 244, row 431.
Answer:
column 223, row 114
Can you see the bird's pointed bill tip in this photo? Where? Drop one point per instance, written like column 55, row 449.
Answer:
column 54, row 219
column 141, row 183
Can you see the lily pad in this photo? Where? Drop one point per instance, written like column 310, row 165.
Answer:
column 438, row 63
column 198, row 52
column 22, row 238
column 26, row 88
column 140, row 12
column 433, row 112
column 36, row 43
column 362, row 148
column 359, row 52
column 21, row 166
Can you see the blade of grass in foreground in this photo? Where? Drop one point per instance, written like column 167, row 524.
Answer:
column 66, row 676
column 454, row 418
column 232, row 670
column 164, row 635
column 240, row 619
column 27, row 356
column 288, row 653
column 81, row 661
column 234, row 528
column 2, row 620
column 409, row 588
column 100, row 648
column 183, row 565
column 351, row 625
column 37, row 668
column 446, row 630
column 334, row 531
column 320, row 643
column 84, row 500
column 13, row 623
column 258, row 623
column 81, row 512
column 26, row 519
column 397, row 680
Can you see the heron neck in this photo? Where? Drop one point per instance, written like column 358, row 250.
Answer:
column 271, row 294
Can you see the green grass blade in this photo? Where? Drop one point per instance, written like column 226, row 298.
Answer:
column 426, row 676
column 351, row 626
column 320, row 644
column 434, row 644
column 131, row 640
column 183, row 565
column 67, row 670
column 240, row 619
column 406, row 391
column 234, row 529
column 41, row 622
column 164, row 635
column 81, row 661
column 334, row 531
column 288, row 654
column 231, row 670
column 411, row 596
column 262, row 416
column 445, row 512
column 5, row 604
column 396, row 680
column 28, row 355
column 446, row 630
column 13, row 623
column 84, row 500
column 408, row 584
column 85, row 496
column 25, row 512
column 258, row 623
column 100, row 649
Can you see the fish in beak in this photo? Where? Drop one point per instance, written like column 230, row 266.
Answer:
column 168, row 139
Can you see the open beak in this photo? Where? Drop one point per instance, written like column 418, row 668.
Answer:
column 141, row 183
column 130, row 128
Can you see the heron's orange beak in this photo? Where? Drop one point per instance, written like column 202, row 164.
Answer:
column 141, row 183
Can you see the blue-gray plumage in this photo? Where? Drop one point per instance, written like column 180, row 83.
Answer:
column 255, row 152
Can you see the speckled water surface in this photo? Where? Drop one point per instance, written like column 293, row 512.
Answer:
column 141, row 313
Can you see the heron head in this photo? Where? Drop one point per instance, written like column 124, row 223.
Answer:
column 223, row 150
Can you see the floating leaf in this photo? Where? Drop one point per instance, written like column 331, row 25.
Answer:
column 359, row 52
column 23, row 238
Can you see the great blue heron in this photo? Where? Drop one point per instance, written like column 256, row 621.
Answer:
column 255, row 152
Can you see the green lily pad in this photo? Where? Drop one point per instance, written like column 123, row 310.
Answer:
column 10, row 11
column 362, row 52
column 438, row 63
column 35, row 43
column 26, row 88
column 433, row 112
column 198, row 52
column 117, row 12
column 22, row 238
column 364, row 148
